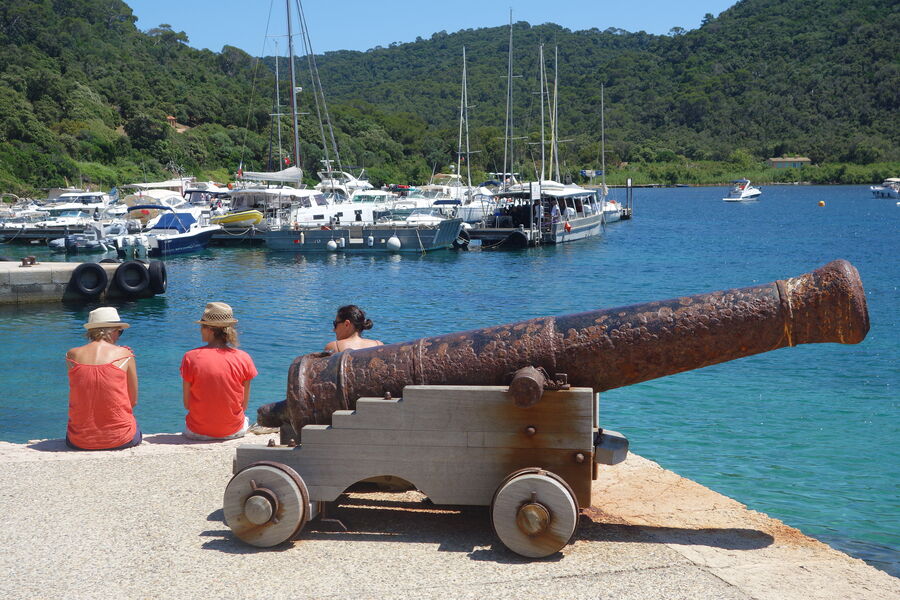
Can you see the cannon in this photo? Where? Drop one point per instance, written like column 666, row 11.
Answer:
column 506, row 416
column 600, row 349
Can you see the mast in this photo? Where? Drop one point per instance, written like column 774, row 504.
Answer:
column 507, row 144
column 294, row 89
column 462, row 109
column 278, row 115
column 464, row 129
column 542, row 75
column 602, row 144
column 556, row 110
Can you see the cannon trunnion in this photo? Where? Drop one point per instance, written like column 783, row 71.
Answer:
column 506, row 416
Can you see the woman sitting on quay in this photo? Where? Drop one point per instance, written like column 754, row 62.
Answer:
column 217, row 378
column 103, row 387
column 348, row 324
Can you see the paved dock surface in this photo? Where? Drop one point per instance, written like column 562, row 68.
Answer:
column 147, row 523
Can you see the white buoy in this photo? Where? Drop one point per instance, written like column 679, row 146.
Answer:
column 393, row 243
column 331, row 245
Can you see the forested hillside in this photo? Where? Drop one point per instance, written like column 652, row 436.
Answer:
column 84, row 95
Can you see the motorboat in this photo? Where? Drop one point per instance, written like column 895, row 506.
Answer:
column 96, row 204
column 66, row 219
column 612, row 210
column 96, row 238
column 207, row 193
column 563, row 213
column 152, row 203
column 174, row 231
column 341, row 183
column 889, row 188
column 742, row 191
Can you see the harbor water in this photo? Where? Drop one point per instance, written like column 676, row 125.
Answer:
column 808, row 435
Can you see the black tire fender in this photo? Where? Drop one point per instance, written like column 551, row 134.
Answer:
column 89, row 279
column 158, row 278
column 132, row 278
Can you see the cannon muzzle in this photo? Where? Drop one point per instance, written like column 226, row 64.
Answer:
column 600, row 349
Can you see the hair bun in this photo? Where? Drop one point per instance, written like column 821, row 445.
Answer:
column 368, row 324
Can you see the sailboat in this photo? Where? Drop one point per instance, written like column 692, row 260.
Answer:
column 313, row 224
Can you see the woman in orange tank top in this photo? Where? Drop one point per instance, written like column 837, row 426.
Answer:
column 103, row 387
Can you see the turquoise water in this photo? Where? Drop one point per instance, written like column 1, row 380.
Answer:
column 808, row 434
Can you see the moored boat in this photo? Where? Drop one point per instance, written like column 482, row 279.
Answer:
column 742, row 191
column 174, row 231
column 386, row 237
column 561, row 214
column 889, row 188
column 96, row 238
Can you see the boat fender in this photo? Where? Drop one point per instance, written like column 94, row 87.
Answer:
column 393, row 243
column 158, row 278
column 132, row 278
column 331, row 245
column 370, row 241
column 89, row 279
column 342, row 242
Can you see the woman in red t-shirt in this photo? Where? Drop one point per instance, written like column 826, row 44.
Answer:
column 216, row 379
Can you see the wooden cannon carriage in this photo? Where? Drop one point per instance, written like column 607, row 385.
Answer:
column 473, row 418
column 459, row 445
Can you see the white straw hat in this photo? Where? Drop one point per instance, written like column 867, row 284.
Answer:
column 217, row 314
column 105, row 316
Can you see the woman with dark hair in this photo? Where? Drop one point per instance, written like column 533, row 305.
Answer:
column 348, row 324
column 217, row 378
column 103, row 387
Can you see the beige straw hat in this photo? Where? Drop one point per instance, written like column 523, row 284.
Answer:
column 217, row 314
column 105, row 316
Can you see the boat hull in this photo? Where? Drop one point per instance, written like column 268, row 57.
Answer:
column 180, row 244
column 364, row 238
column 574, row 229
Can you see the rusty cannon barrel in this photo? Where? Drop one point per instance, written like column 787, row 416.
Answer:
column 600, row 349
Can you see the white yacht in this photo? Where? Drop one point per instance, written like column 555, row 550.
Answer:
column 742, row 191
column 889, row 188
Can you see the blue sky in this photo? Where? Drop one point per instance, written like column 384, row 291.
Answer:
column 364, row 24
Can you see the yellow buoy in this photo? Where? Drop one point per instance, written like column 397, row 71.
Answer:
column 821, row 203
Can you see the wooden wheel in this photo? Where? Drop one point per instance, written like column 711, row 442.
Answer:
column 266, row 504
column 534, row 513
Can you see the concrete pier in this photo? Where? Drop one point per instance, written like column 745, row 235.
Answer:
column 147, row 523
column 40, row 282
column 24, row 282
